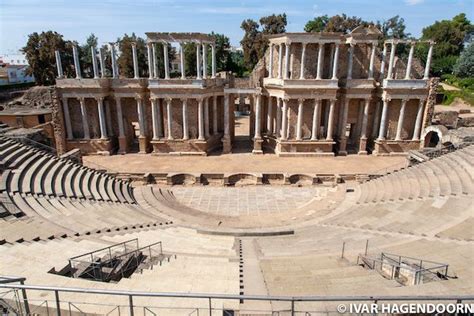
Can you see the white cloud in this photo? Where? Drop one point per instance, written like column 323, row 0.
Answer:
column 413, row 2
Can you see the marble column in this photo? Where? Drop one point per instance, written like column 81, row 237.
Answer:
column 85, row 120
column 278, row 118
column 258, row 115
column 269, row 115
column 350, row 62
column 336, row 59
column 169, row 118
column 428, row 62
column 280, row 60
column 410, row 59
column 226, row 116
column 204, row 61
column 303, row 57
column 372, row 61
column 166, row 60
column 363, row 132
column 121, row 137
column 383, row 119
column 299, row 121
column 418, row 121
column 284, row 120
column 206, row 118
column 201, row 119
column 316, row 119
column 330, row 132
column 287, row 60
column 185, row 119
column 155, row 61
column 213, row 57
column 150, row 61
column 401, row 119
column 181, row 57
column 77, row 64
column 59, row 65
column 214, row 115
column 156, row 118
column 102, row 63
column 270, row 62
column 382, row 66
column 319, row 71
column 102, row 124
column 67, row 119
column 391, row 61
column 198, row 61
column 342, row 132
column 141, row 116
column 115, row 72
column 95, row 67
column 135, row 61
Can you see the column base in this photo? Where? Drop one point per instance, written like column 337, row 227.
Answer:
column 362, row 152
column 257, row 146
column 123, row 145
column 342, row 147
column 363, row 146
column 142, row 144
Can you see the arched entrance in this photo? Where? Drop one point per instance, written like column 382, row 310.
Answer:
column 433, row 136
column 431, row 140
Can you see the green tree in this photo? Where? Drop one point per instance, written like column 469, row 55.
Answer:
column 464, row 66
column 190, row 59
column 223, row 57
column 273, row 24
column 85, row 56
column 318, row 24
column 125, row 60
column 39, row 51
column 393, row 28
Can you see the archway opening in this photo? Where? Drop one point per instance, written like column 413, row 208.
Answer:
column 432, row 139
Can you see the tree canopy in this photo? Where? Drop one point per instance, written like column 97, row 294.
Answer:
column 125, row 60
column 464, row 66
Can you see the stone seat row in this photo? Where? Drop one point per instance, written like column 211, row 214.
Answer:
column 449, row 175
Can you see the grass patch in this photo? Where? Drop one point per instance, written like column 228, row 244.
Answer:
column 466, row 92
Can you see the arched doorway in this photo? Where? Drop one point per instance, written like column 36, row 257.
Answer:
column 431, row 140
column 433, row 136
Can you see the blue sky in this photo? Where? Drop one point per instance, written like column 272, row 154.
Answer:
column 109, row 19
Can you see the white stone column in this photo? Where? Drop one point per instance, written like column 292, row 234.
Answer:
column 287, row 60
column 401, row 119
column 185, row 119
column 95, row 67
column 382, row 66
column 155, row 62
column 59, row 65
column 181, row 57
column 155, row 119
column 115, row 73
column 383, row 120
column 419, row 118
column 213, row 60
column 102, row 63
column 319, row 71
column 102, row 124
column 316, row 119
column 372, row 61
column 150, row 60
column 206, row 118
column 214, row 115
column 280, row 60
column 85, row 120
column 198, row 61
column 410, row 59
column 336, row 59
column 226, row 116
column 330, row 132
column 270, row 62
column 141, row 116
column 365, row 119
column 201, row 119
column 77, row 64
column 278, row 118
column 269, row 115
column 376, row 121
column 299, row 121
column 258, row 115
column 169, row 118
column 303, row 57
column 118, row 104
column 67, row 119
column 428, row 62
column 345, row 112
column 166, row 60
column 204, row 61
column 391, row 61
column 350, row 62
column 284, row 120
column 136, row 74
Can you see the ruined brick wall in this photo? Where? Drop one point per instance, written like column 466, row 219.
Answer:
column 430, row 102
column 58, row 122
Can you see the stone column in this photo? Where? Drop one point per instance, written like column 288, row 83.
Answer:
column 135, row 61
column 206, row 118
column 142, row 142
column 391, row 61
column 342, row 132
column 319, row 71
column 67, row 119
column 169, row 118
column 102, row 63
column 185, row 119
column 201, row 119
column 204, row 61
column 376, row 121
column 121, row 138
column 287, row 60
column 155, row 61
column 226, row 141
column 363, row 132
column 77, row 65
column 258, row 115
column 336, row 59
column 350, row 62
column 198, row 61
column 383, row 119
column 85, row 120
column 382, row 66
column 278, row 118
column 150, row 60
column 115, row 72
column 269, row 115
column 332, row 107
column 428, row 62
column 284, row 120
column 303, row 57
column 410, row 59
column 108, row 118
column 181, row 57
column 270, row 62
column 372, row 61
column 155, row 118
column 59, row 66
column 280, row 60
column 316, row 119
column 213, row 57
column 102, row 125
column 166, row 60
column 95, row 67
column 299, row 121
column 214, row 115
column 401, row 119
column 419, row 118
